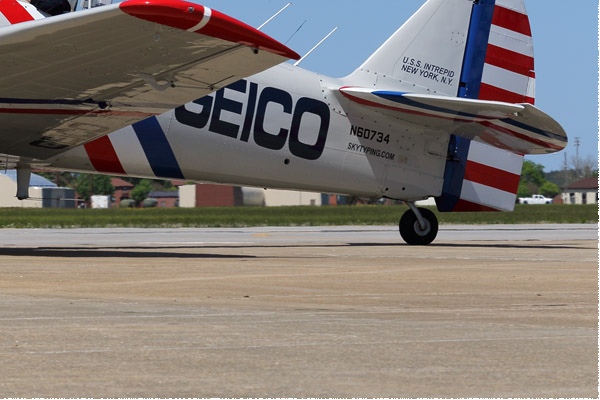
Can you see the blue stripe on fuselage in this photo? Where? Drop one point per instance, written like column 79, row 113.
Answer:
column 157, row 149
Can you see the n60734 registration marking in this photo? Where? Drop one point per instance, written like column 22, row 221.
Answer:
column 369, row 134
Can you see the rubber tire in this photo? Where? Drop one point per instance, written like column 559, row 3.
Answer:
column 412, row 233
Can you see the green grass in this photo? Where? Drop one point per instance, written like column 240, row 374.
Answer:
column 277, row 216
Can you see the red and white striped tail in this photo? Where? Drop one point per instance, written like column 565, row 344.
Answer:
column 508, row 72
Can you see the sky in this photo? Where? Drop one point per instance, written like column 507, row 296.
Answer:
column 565, row 35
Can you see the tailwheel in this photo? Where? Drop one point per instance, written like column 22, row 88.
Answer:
column 418, row 226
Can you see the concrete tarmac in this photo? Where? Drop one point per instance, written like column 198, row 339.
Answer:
column 486, row 311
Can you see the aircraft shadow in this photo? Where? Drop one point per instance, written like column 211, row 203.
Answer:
column 105, row 252
column 156, row 252
column 476, row 245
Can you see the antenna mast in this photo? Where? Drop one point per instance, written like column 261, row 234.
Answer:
column 314, row 48
column 273, row 17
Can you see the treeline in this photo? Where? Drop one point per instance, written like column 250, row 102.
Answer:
column 535, row 181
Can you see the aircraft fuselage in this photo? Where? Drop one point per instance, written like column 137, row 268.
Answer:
column 284, row 128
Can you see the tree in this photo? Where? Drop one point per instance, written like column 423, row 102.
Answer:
column 88, row 185
column 533, row 173
column 533, row 181
column 532, row 178
column 524, row 190
column 585, row 167
column 141, row 191
column 549, row 189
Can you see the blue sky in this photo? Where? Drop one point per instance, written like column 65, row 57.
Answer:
column 565, row 37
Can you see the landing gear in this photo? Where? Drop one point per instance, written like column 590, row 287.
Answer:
column 23, row 178
column 418, row 226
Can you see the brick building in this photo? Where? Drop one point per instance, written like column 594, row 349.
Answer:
column 584, row 191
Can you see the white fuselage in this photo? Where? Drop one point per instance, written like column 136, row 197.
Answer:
column 284, row 128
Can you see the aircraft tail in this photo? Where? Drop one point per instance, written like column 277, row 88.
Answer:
column 479, row 50
column 473, row 49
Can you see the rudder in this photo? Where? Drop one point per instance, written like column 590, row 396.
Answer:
column 498, row 65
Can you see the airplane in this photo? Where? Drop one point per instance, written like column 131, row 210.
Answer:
column 172, row 89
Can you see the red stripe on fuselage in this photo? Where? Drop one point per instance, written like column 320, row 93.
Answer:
column 103, row 156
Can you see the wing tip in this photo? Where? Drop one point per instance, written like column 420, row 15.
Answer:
column 194, row 17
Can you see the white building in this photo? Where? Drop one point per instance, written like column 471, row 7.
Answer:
column 584, row 191
column 42, row 192
column 276, row 198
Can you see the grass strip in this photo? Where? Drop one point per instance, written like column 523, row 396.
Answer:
column 278, row 216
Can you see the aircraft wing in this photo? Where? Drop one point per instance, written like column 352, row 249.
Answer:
column 72, row 78
column 520, row 128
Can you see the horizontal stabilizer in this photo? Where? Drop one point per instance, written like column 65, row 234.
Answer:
column 519, row 128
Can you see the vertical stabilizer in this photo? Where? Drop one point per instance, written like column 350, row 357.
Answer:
column 478, row 49
column 426, row 54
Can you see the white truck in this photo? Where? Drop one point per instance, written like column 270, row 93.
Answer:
column 535, row 199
